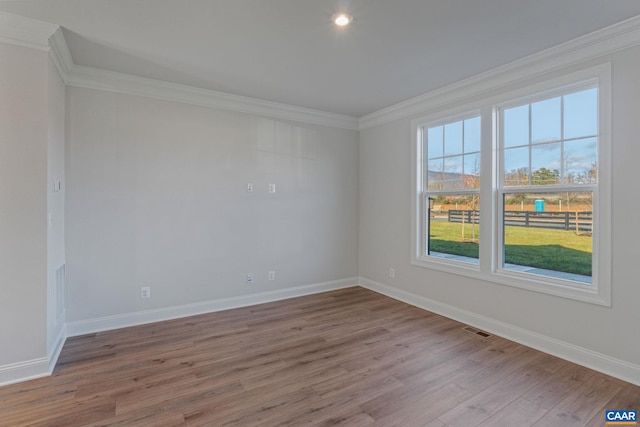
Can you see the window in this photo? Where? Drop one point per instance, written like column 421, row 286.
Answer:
column 452, row 183
column 549, row 151
column 538, row 158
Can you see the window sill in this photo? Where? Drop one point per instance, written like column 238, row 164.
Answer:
column 577, row 291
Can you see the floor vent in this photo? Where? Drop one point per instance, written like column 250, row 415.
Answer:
column 478, row 332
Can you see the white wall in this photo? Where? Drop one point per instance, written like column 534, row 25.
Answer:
column 55, row 203
column 23, row 204
column 156, row 196
column 385, row 238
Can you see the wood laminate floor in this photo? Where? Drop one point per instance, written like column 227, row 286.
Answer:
column 350, row 357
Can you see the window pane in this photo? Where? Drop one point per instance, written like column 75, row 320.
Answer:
column 581, row 161
column 581, row 114
column 551, row 162
column 516, row 166
column 453, row 139
column 549, row 234
column 454, row 227
column 472, row 171
column 472, row 135
column 453, row 173
column 545, row 121
column 545, row 164
column 434, row 142
column 435, row 178
column 516, row 126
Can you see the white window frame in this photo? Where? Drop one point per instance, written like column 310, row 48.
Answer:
column 421, row 193
column 426, row 193
column 490, row 268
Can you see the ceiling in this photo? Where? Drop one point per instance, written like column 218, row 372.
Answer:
column 288, row 51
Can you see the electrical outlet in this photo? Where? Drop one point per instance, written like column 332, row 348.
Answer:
column 392, row 273
column 272, row 275
column 249, row 188
column 250, row 278
column 145, row 292
column 272, row 188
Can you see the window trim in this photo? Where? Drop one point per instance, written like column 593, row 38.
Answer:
column 426, row 193
column 421, row 193
column 500, row 270
column 599, row 292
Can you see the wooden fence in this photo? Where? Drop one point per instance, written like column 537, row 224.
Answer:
column 578, row 221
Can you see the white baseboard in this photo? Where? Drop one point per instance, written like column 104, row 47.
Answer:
column 56, row 348
column 42, row 367
column 36, row 368
column 23, row 371
column 621, row 369
column 149, row 316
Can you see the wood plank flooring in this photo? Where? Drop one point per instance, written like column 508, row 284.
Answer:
column 350, row 357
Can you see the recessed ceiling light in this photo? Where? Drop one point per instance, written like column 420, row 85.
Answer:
column 341, row 19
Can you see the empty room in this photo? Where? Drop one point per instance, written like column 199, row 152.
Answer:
column 298, row 212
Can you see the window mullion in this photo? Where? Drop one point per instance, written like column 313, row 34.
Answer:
column 530, row 167
column 562, row 143
column 488, row 169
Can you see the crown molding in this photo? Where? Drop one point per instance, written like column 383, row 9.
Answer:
column 608, row 40
column 30, row 33
column 94, row 78
column 25, row 32
column 40, row 35
column 59, row 52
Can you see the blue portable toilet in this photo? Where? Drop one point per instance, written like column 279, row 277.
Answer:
column 539, row 205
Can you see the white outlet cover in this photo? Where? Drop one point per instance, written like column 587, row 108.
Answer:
column 249, row 188
column 250, row 278
column 272, row 188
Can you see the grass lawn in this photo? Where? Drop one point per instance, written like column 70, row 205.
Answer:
column 557, row 250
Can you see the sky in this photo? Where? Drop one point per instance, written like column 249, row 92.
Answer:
column 572, row 117
column 563, row 130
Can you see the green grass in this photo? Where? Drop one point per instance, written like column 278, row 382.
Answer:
column 446, row 237
column 556, row 250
